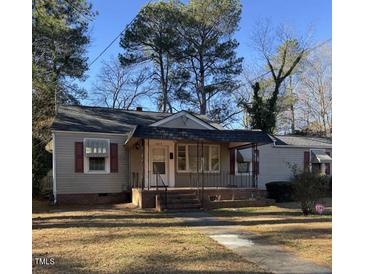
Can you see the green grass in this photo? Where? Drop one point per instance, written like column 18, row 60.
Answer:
column 123, row 240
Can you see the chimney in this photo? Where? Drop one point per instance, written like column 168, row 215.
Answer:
column 139, row 109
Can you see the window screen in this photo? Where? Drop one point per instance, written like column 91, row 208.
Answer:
column 96, row 163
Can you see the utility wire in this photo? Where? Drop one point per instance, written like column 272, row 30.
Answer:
column 115, row 39
column 78, row 11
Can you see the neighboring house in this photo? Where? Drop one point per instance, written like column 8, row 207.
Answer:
column 101, row 154
column 105, row 155
column 303, row 152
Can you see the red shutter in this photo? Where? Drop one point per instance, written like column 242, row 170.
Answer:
column 257, row 169
column 306, row 161
column 79, row 157
column 232, row 161
column 328, row 165
column 113, row 157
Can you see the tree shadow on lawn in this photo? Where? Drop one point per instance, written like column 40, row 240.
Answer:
column 215, row 260
column 238, row 213
column 166, row 263
column 105, row 216
column 88, row 222
column 296, row 234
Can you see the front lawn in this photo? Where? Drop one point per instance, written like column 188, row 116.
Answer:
column 309, row 237
column 119, row 239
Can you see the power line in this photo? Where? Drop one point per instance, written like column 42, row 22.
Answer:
column 78, row 11
column 115, row 39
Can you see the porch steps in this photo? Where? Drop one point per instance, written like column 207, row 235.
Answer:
column 176, row 201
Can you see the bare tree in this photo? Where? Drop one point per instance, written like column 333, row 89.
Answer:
column 316, row 88
column 281, row 51
column 119, row 86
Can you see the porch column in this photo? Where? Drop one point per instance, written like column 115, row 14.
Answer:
column 143, row 169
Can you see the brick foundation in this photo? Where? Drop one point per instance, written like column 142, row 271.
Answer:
column 94, row 198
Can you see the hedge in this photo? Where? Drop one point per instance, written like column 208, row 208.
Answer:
column 281, row 191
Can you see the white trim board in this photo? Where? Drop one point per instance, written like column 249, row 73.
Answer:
column 54, row 169
column 89, row 132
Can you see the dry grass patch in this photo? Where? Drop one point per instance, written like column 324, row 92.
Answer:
column 309, row 237
column 120, row 240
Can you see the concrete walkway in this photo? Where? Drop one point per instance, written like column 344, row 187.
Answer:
column 272, row 258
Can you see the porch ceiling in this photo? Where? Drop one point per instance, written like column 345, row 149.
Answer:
column 237, row 135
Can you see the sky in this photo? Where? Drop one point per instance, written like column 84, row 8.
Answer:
column 114, row 15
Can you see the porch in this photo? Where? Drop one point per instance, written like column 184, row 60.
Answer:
column 168, row 165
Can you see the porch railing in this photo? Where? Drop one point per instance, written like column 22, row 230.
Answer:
column 158, row 181
column 196, row 180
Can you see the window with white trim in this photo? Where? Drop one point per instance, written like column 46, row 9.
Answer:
column 192, row 158
column 97, row 155
column 243, row 161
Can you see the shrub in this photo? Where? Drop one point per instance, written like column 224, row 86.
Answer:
column 41, row 164
column 308, row 189
column 327, row 180
column 281, row 191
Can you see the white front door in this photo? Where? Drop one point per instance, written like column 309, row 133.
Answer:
column 159, row 165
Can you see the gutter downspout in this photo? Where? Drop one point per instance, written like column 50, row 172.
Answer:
column 54, row 168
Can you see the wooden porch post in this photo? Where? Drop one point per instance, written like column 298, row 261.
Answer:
column 202, row 167
column 148, row 163
column 253, row 176
column 143, row 160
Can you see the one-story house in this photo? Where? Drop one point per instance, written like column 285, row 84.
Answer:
column 288, row 152
column 107, row 155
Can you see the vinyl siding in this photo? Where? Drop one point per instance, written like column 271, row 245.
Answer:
column 69, row 182
column 275, row 163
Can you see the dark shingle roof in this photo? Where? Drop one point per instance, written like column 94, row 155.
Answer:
column 238, row 135
column 100, row 119
column 108, row 120
column 305, row 141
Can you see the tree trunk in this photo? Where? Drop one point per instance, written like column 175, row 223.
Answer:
column 203, row 103
column 292, row 114
column 292, row 119
column 163, row 84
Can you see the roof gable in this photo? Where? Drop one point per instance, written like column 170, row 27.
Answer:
column 183, row 119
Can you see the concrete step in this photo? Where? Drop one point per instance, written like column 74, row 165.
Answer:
column 182, row 206
column 192, row 202
column 178, row 197
column 180, row 201
column 174, row 193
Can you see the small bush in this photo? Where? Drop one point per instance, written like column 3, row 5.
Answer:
column 308, row 189
column 327, row 181
column 281, row 191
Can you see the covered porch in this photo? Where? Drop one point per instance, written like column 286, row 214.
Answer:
column 213, row 164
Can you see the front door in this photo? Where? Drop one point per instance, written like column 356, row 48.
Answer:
column 159, row 166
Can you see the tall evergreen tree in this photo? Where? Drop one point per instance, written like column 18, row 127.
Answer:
column 209, row 50
column 58, row 42
column 152, row 38
column 58, row 54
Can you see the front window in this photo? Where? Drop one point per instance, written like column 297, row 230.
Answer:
column 243, row 161
column 181, row 157
column 193, row 158
column 97, row 154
